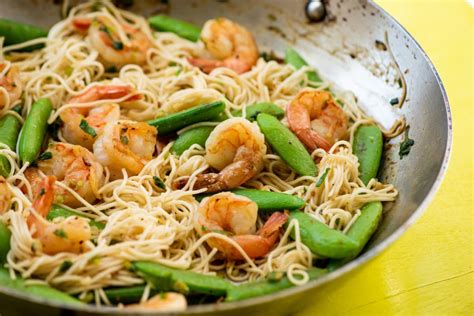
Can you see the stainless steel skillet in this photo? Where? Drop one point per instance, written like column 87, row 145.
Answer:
column 346, row 47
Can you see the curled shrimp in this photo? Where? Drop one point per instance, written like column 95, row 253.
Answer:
column 235, row 147
column 125, row 145
column 112, row 48
column 316, row 119
column 73, row 165
column 10, row 82
column 72, row 128
column 5, row 196
column 165, row 302
column 70, row 235
column 231, row 44
column 237, row 217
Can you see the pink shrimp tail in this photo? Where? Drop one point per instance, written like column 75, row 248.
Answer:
column 273, row 224
column 312, row 140
column 81, row 24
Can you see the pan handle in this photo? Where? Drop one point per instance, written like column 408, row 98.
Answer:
column 315, row 10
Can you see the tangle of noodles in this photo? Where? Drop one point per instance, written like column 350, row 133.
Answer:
column 143, row 222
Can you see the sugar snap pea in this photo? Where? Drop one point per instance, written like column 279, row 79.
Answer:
column 361, row 231
column 16, row 33
column 10, row 127
column 320, row 239
column 165, row 278
column 294, row 59
column 34, row 130
column 58, row 211
column 252, row 111
column 267, row 201
column 197, row 135
column 181, row 28
column 126, row 295
column 260, row 288
column 5, row 236
column 42, row 291
column 368, row 146
column 286, row 145
column 176, row 121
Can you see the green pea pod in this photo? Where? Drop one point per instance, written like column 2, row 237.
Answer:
column 361, row 231
column 320, row 239
column 10, row 127
column 294, row 59
column 267, row 201
column 197, row 135
column 34, row 130
column 252, row 111
column 260, row 288
column 368, row 146
column 126, row 295
column 287, row 145
column 165, row 279
column 42, row 291
column 16, row 33
column 58, row 211
column 181, row 28
column 177, row 121
column 5, row 236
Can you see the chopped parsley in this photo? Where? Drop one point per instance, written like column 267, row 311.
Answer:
column 117, row 45
column 159, row 183
column 42, row 192
column 124, row 139
column 17, row 109
column 394, row 101
column 46, row 155
column 60, row 233
column 323, row 177
column 87, row 128
column 111, row 69
column 65, row 265
column 405, row 146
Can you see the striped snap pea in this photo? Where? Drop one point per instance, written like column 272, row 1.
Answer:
column 15, row 33
column 260, row 288
column 286, row 145
column 197, row 135
column 126, row 295
column 361, row 231
column 181, row 28
column 10, row 127
column 320, row 239
column 58, row 211
column 252, row 111
column 294, row 59
column 266, row 201
column 5, row 236
column 368, row 146
column 42, row 291
column 177, row 121
column 34, row 130
column 165, row 279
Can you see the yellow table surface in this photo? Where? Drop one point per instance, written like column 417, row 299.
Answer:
column 429, row 270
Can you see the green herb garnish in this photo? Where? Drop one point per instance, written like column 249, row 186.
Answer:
column 124, row 139
column 46, row 155
column 87, row 128
column 394, row 101
column 65, row 265
column 60, row 233
column 117, row 45
column 322, row 177
column 159, row 183
column 405, row 146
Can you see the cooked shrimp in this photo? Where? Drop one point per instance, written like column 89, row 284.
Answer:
column 69, row 235
column 236, row 148
column 111, row 47
column 73, row 165
column 316, row 119
column 231, row 44
column 164, row 302
column 5, row 196
column 237, row 216
column 10, row 81
column 125, row 144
